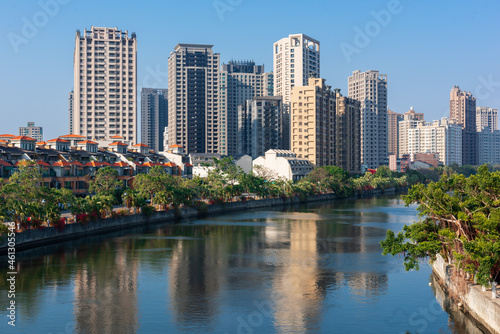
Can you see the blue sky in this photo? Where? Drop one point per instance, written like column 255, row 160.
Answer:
column 425, row 47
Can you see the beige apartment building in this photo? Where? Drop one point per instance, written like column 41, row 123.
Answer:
column 463, row 111
column 193, row 119
column 104, row 102
column 295, row 59
column 486, row 117
column 393, row 119
column 32, row 131
column 325, row 126
column 312, row 118
column 370, row 88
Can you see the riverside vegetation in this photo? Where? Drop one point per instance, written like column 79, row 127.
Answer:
column 460, row 220
column 25, row 201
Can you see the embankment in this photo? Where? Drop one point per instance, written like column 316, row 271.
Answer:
column 477, row 303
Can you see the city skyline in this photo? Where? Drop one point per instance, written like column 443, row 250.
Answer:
column 386, row 36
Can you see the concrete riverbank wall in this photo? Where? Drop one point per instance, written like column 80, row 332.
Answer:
column 33, row 238
column 477, row 303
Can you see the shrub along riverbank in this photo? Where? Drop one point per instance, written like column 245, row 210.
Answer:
column 29, row 205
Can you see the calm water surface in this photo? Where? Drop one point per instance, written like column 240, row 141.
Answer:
column 314, row 268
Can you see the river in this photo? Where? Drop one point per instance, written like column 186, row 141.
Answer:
column 313, row 268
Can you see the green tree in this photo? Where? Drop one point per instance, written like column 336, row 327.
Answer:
column 460, row 219
column 105, row 182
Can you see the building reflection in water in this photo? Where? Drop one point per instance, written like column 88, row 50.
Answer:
column 297, row 253
column 105, row 293
column 297, row 299
column 197, row 274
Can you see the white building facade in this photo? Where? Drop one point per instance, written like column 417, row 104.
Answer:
column 295, row 58
column 486, row 117
column 284, row 164
column 443, row 137
column 370, row 88
column 105, row 84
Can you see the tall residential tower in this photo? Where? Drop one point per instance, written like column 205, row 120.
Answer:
column 463, row 111
column 239, row 81
column 193, row 119
column 154, row 117
column 295, row 59
column 370, row 88
column 486, row 117
column 105, row 84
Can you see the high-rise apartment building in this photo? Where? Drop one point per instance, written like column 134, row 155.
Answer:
column 347, row 133
column 410, row 120
column 486, row 117
column 325, row 126
column 71, row 101
column 312, row 120
column 105, row 84
column 295, row 59
column 463, row 110
column 488, row 146
column 193, row 119
column 443, row 137
column 260, row 125
column 35, row 132
column 393, row 119
column 370, row 88
column 238, row 81
column 154, row 117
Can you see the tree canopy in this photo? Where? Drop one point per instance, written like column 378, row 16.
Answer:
column 460, row 219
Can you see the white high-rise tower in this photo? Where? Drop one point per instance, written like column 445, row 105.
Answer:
column 295, row 58
column 370, row 88
column 105, row 84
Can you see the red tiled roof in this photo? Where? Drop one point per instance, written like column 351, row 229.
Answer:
column 116, row 137
column 88, row 142
column 22, row 138
column 373, row 171
column 7, row 135
column 149, row 164
column 58, row 140
column 105, row 164
column 39, row 143
column 76, row 163
column 72, row 136
column 141, row 145
column 120, row 164
column 170, row 164
column 4, row 163
column 188, row 164
column 138, row 164
column 61, row 163
column 3, row 141
column 93, row 164
column 42, row 163
column 175, row 145
column 117, row 144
